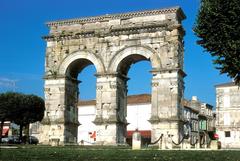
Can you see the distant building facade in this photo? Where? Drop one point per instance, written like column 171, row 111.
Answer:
column 199, row 121
column 228, row 114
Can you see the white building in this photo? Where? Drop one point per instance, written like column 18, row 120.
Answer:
column 228, row 114
column 138, row 114
column 87, row 129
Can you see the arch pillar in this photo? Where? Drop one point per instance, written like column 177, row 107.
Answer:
column 167, row 93
column 60, row 123
column 111, row 103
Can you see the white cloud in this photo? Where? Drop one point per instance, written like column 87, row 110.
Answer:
column 6, row 82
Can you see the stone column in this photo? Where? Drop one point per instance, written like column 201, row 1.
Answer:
column 60, row 122
column 154, row 120
column 167, row 92
column 110, row 109
column 71, row 111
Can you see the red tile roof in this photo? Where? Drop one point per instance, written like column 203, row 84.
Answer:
column 139, row 99
column 86, row 103
column 132, row 99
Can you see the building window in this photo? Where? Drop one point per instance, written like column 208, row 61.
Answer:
column 227, row 134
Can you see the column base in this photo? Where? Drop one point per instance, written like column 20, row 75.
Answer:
column 167, row 129
column 58, row 134
column 110, row 133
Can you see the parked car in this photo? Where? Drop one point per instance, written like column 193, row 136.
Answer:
column 32, row 140
column 11, row 140
column 5, row 140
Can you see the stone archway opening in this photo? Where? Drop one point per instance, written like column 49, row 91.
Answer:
column 87, row 87
column 140, row 77
column 76, row 67
column 75, row 91
column 139, row 101
column 86, row 112
column 134, row 110
column 126, row 63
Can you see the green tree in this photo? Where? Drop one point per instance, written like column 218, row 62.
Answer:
column 21, row 109
column 31, row 109
column 217, row 27
column 9, row 103
column 3, row 113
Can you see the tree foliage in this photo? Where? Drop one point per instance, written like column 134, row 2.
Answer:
column 21, row 109
column 31, row 109
column 9, row 105
column 218, row 29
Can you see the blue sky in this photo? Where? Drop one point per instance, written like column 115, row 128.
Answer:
column 22, row 50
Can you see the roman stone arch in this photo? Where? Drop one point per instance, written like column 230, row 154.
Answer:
column 147, row 53
column 112, row 43
column 81, row 55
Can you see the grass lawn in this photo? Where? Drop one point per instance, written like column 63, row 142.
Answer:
column 68, row 153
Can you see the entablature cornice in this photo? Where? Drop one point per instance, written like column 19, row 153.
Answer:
column 128, row 15
column 116, row 31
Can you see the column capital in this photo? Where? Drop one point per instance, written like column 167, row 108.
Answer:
column 51, row 77
column 161, row 71
column 47, row 77
column 154, row 119
column 73, row 79
column 113, row 74
column 98, row 120
column 111, row 120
